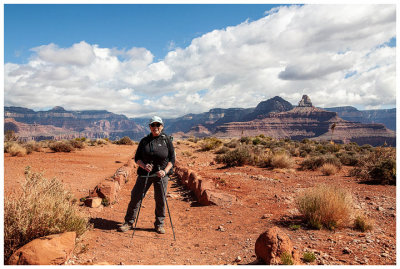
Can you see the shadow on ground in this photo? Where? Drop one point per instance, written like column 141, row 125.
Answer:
column 104, row 224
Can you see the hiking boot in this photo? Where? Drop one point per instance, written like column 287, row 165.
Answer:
column 160, row 229
column 125, row 227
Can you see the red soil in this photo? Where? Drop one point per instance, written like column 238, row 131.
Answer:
column 265, row 198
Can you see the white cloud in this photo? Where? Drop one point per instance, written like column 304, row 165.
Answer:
column 292, row 51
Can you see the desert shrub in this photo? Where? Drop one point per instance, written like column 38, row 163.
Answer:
column 193, row 139
column 352, row 147
column 15, row 149
column 43, row 208
column 9, row 136
column 124, row 141
column 349, row 158
column 234, row 143
column 83, row 139
column 61, row 146
column 222, row 150
column 210, row 143
column 329, row 169
column 281, row 160
column 237, row 157
column 378, row 166
column 367, row 147
column 295, row 152
column 32, row 146
column 314, row 162
column 362, row 223
column 100, row 141
column 257, row 140
column 309, row 257
column 325, row 206
column 78, row 144
column 286, row 259
column 245, row 140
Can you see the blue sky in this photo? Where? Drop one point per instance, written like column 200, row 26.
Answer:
column 176, row 59
column 156, row 27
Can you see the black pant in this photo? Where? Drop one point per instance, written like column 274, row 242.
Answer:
column 136, row 196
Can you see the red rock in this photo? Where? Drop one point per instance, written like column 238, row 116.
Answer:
column 93, row 202
column 193, row 181
column 271, row 244
column 49, row 250
column 107, row 189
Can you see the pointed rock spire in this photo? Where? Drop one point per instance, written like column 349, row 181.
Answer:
column 305, row 101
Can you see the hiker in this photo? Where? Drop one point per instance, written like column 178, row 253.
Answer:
column 155, row 156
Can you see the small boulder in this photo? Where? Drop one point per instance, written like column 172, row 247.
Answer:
column 272, row 244
column 54, row 249
column 93, row 202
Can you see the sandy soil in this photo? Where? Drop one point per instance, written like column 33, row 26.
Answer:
column 212, row 235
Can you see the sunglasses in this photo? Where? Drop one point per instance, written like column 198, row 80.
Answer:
column 155, row 124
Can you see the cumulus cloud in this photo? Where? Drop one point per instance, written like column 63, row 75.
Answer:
column 334, row 53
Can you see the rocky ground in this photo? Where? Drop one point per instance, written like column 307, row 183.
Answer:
column 212, row 235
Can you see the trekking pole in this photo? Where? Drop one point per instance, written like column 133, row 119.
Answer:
column 141, row 201
column 166, row 202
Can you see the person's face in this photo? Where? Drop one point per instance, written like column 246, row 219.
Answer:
column 156, row 128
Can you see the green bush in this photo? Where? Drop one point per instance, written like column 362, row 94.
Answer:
column 309, row 257
column 237, row 157
column 378, row 166
column 44, row 207
column 286, row 259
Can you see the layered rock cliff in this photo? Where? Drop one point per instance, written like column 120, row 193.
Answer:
column 89, row 123
column 307, row 121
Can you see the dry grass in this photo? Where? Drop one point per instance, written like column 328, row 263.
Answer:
column 43, row 208
column 281, row 160
column 363, row 223
column 325, row 206
column 329, row 169
column 61, row 146
column 15, row 149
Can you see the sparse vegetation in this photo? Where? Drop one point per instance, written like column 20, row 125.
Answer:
column 363, row 223
column 325, row 206
column 378, row 166
column 286, row 259
column 281, row 160
column 309, row 257
column 61, row 146
column 329, row 169
column 315, row 162
column 294, row 227
column 44, row 207
column 237, row 157
column 124, row 141
column 15, row 149
column 210, row 143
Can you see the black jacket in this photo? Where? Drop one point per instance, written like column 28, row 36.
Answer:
column 156, row 150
